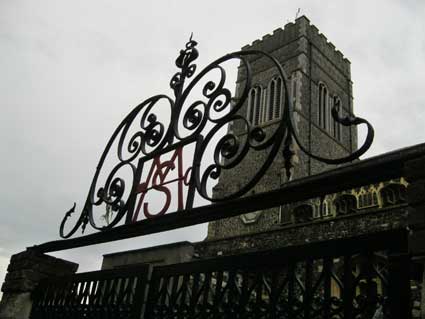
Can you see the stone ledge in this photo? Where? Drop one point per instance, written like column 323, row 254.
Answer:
column 38, row 261
column 336, row 228
column 27, row 268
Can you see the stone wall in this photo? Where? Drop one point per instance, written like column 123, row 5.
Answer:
column 24, row 272
column 372, row 221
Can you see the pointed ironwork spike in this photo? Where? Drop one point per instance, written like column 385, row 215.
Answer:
column 71, row 211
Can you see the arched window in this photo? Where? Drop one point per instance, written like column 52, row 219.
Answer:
column 273, row 103
column 278, row 105
column 263, row 112
column 257, row 106
column 367, row 198
column 375, row 198
column 323, row 106
column 254, row 106
column 316, row 208
column 251, row 105
column 337, row 127
column 325, row 211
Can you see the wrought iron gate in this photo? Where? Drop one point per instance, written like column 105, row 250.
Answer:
column 344, row 278
column 103, row 294
column 355, row 278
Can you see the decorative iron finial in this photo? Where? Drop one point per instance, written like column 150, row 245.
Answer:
column 183, row 62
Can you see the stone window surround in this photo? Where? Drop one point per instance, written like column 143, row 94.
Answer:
column 266, row 108
column 325, row 120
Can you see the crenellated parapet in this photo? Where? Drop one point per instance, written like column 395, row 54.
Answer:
column 302, row 31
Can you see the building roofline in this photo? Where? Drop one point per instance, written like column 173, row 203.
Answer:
column 146, row 249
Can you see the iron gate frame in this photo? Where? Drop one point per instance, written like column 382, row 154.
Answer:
column 147, row 292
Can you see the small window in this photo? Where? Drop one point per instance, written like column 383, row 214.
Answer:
column 374, row 199
column 263, row 113
column 272, row 100
column 279, row 89
column 254, row 106
column 285, row 214
column 325, row 211
column 251, row 105
column 257, row 106
column 323, row 106
column 273, row 103
column 367, row 198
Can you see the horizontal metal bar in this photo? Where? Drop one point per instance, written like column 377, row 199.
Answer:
column 372, row 170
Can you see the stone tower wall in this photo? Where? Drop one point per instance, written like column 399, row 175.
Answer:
column 307, row 56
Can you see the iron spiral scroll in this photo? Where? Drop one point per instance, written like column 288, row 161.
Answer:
column 186, row 123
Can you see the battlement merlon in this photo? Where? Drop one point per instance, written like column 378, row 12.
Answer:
column 302, row 28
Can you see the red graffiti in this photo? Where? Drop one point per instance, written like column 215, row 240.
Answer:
column 157, row 180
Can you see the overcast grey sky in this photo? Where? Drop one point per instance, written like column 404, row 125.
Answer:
column 70, row 71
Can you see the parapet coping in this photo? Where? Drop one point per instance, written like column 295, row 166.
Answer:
column 303, row 20
column 402, row 208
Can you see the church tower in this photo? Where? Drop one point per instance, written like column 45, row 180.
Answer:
column 318, row 78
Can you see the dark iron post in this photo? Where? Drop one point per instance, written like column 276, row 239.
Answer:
column 398, row 304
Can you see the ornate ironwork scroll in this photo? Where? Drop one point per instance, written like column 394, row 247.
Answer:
column 112, row 293
column 163, row 125
column 310, row 288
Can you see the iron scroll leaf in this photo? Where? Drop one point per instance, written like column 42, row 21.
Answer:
column 185, row 123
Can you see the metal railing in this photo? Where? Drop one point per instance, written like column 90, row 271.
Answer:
column 345, row 278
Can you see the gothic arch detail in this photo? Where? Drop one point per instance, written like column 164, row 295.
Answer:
column 274, row 99
column 368, row 197
column 345, row 204
column 393, row 194
column 255, row 105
